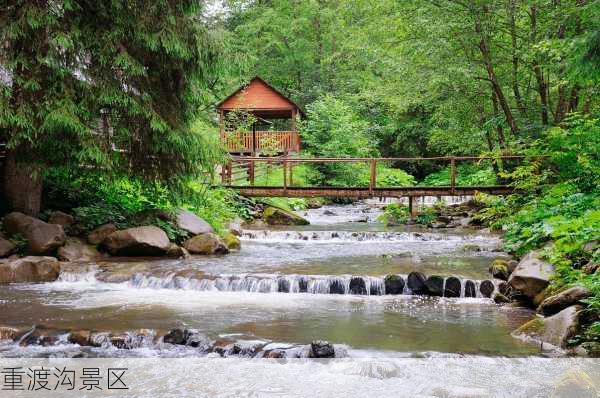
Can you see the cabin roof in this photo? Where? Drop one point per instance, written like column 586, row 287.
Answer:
column 260, row 98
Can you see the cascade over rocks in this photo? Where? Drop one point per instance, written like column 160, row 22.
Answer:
column 42, row 238
column 277, row 216
column 486, row 288
column 416, row 282
column 321, row 349
column 452, row 287
column 562, row 300
column 470, row 289
column 207, row 243
column 336, row 287
column 29, row 269
column 139, row 241
column 394, row 284
column 532, row 275
column 191, row 223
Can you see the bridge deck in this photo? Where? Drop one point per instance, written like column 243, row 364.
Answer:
column 344, row 192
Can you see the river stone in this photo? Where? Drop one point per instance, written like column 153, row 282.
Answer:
column 8, row 333
column 321, row 349
column 557, row 329
column 175, row 336
column 470, row 289
column 177, row 251
column 452, row 287
column 416, row 282
column 358, row 286
column 505, row 289
column 208, row 243
column 40, row 336
column 277, row 216
column 394, row 284
column 75, row 249
column 60, row 218
column 435, row 285
column 232, row 241
column 99, row 234
column 42, row 238
column 512, row 265
column 590, row 267
column 499, row 269
column 562, row 300
column 80, row 337
column 532, row 275
column 336, row 287
column 139, row 241
column 191, row 223
column 486, row 288
column 235, row 226
column 30, row 269
column 6, row 247
column 499, row 298
column 283, row 285
column 303, row 285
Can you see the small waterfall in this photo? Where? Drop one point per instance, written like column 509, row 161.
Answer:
column 311, row 284
column 358, row 236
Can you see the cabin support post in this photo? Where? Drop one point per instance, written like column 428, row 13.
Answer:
column 285, row 175
column 251, row 172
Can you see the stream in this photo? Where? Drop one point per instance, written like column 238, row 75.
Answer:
column 285, row 288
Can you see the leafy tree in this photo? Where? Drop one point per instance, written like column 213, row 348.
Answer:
column 84, row 76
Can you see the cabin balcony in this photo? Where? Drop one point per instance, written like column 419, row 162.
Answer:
column 266, row 142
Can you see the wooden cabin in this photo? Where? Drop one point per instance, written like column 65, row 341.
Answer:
column 273, row 127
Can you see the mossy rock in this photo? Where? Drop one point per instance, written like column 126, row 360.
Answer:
column 471, row 247
column 232, row 241
column 276, row 216
column 499, row 269
column 534, row 326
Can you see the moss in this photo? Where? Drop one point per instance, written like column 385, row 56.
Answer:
column 232, row 241
column 534, row 326
column 278, row 216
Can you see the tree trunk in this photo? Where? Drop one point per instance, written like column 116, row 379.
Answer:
column 487, row 61
column 515, row 58
column 499, row 129
column 22, row 185
column 537, row 70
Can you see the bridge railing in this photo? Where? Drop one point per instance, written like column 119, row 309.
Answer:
column 365, row 173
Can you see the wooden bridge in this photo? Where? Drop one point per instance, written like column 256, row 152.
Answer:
column 242, row 175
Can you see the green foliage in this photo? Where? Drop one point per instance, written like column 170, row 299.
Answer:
column 397, row 213
column 466, row 175
column 20, row 243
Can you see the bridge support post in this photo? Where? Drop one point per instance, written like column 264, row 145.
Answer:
column 413, row 207
column 373, row 180
column 251, row 172
column 285, row 184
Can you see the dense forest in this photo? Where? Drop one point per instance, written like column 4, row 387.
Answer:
column 386, row 78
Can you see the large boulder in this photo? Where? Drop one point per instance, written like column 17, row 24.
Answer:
column 60, row 218
column 357, row 286
column 191, row 223
column 416, row 282
column 75, row 249
column 435, row 285
column 452, row 287
column 139, row 241
column 99, row 234
column 556, row 330
column 532, row 275
column 232, row 241
column 6, row 247
column 277, row 216
column 394, row 284
column 207, row 243
column 562, row 300
column 30, row 269
column 42, row 238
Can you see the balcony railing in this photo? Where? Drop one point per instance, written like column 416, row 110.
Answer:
column 261, row 141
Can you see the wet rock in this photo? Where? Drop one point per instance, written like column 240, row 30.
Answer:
column 81, row 337
column 235, row 226
column 283, row 285
column 358, row 286
column 471, row 247
column 99, row 234
column 60, row 218
column 562, row 300
column 532, row 275
column 499, row 298
column 191, row 223
column 437, row 225
column 499, row 269
column 232, row 241
column 575, row 383
column 42, row 238
column 470, row 289
column 139, row 241
column 274, row 354
column 416, row 282
column 394, row 284
column 175, row 336
column 75, row 249
column 6, row 247
column 39, row 335
column 303, row 285
column 486, row 288
column 435, row 285
column 452, row 287
column 329, row 213
column 336, row 287
column 321, row 349
column 512, row 265
column 590, row 267
column 277, row 216
column 556, row 330
column 30, row 269
column 195, row 339
column 505, row 289
column 208, row 243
